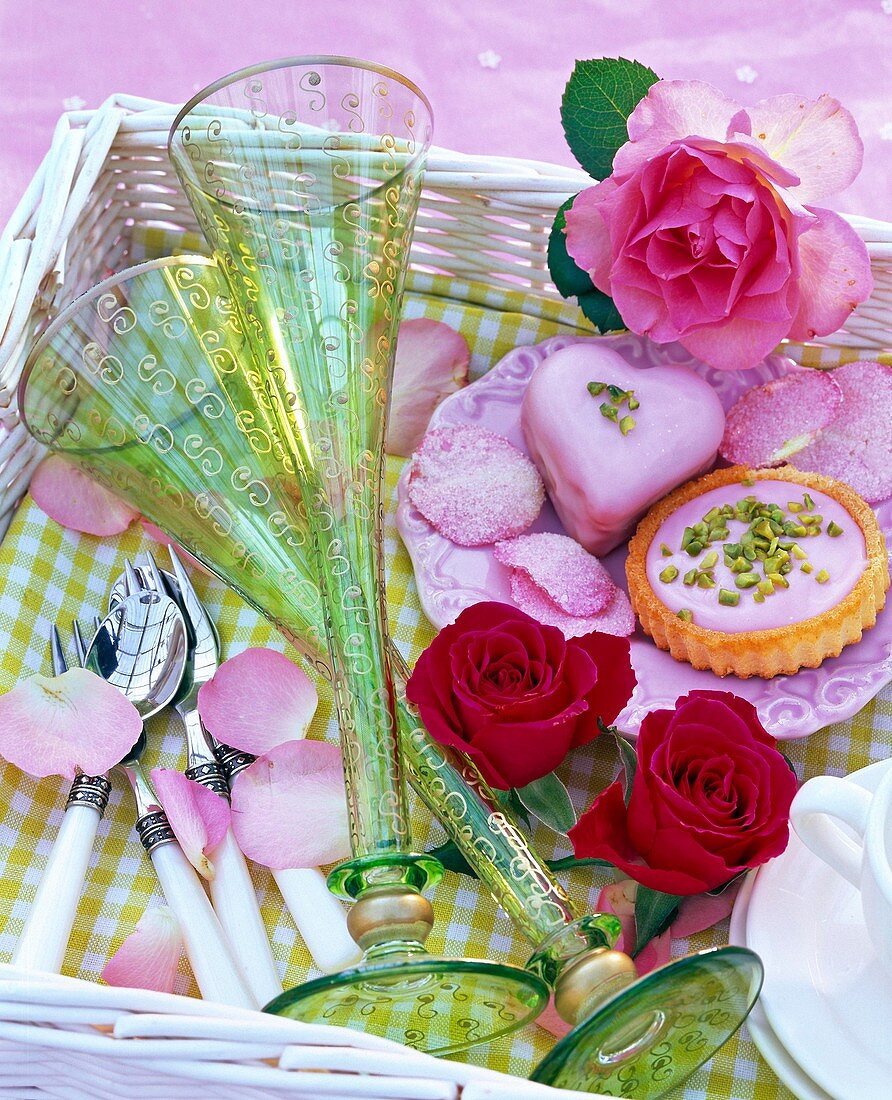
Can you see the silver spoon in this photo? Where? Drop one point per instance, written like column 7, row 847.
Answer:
column 140, row 647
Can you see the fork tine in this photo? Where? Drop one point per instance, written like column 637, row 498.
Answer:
column 60, row 665
column 191, row 603
column 154, row 573
column 79, row 644
column 131, row 580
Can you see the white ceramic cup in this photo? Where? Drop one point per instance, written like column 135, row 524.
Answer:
column 864, row 858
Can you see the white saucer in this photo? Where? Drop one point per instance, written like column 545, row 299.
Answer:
column 767, row 1043
column 826, row 996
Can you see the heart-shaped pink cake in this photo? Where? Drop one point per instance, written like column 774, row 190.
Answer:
column 610, row 439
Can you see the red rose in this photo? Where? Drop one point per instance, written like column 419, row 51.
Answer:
column 515, row 695
column 711, row 797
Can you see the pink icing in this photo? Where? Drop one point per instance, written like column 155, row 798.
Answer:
column 600, row 481
column 844, row 558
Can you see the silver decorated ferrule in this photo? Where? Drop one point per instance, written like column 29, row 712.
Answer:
column 89, row 790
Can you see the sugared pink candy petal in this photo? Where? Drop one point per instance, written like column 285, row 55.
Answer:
column 772, row 422
column 431, row 362
column 75, row 500
column 198, row 816
column 474, row 486
column 149, row 956
column 857, row 446
column 257, row 700
column 53, row 725
column 289, row 808
column 574, row 579
column 617, row 618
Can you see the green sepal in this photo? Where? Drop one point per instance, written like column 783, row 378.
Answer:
column 549, row 800
column 628, row 757
column 599, row 97
column 654, row 912
column 572, row 282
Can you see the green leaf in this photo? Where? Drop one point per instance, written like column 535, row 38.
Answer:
column 573, row 282
column 548, row 799
column 628, row 756
column 570, row 863
column 513, row 804
column 599, row 97
column 654, row 912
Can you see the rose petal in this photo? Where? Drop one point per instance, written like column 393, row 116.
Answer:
column 835, row 276
column 474, row 486
column 149, row 956
column 198, row 816
column 675, row 109
column 257, row 700
column 289, row 808
column 588, row 239
column 552, row 1022
column 738, row 344
column 815, row 138
column 618, row 899
column 772, row 422
column 57, row 725
column 702, row 911
column 431, row 362
column 617, row 618
column 856, row 447
column 75, row 500
column 574, row 579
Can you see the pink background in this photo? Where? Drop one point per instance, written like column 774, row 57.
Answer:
column 55, row 50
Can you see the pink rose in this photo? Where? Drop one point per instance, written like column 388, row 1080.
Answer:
column 702, row 235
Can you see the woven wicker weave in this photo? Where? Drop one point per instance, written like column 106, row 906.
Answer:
column 486, row 219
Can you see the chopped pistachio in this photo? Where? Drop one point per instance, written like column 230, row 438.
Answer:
column 633, row 402
column 758, row 597
column 669, row 574
column 596, row 388
column 748, row 482
column 794, row 506
column 809, row 503
column 627, row 424
column 665, row 550
column 749, row 553
column 822, row 577
column 733, row 549
column 746, row 580
column 705, row 580
column 690, row 577
column 740, row 565
column 728, row 598
column 806, row 567
column 765, row 587
column 797, row 552
column 833, row 529
column 608, row 410
column 617, row 396
column 710, row 561
column 779, row 580
column 694, row 548
column 687, row 537
column 685, row 614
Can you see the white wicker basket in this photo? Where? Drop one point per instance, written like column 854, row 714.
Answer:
column 481, row 218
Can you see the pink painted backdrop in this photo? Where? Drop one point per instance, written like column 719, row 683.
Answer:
column 80, row 51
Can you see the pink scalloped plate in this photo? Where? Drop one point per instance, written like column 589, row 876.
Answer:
column 451, row 578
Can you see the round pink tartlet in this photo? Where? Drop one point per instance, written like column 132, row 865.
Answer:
column 600, row 479
column 843, row 557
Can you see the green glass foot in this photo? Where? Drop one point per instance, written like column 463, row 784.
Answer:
column 440, row 1006
column 653, row 1035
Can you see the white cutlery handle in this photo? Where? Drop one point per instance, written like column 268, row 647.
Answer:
column 45, row 936
column 217, row 975
column 320, row 918
column 235, row 903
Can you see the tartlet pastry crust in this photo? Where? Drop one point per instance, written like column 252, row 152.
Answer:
column 780, row 650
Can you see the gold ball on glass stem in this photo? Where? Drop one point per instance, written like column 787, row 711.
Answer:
column 596, row 976
column 385, row 913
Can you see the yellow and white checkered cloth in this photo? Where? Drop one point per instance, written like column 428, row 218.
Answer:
column 49, row 575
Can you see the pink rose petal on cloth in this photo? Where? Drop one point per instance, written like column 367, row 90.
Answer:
column 289, row 808
column 198, row 816
column 474, row 486
column 148, row 958
column 676, row 109
column 618, row 898
column 257, row 700
column 75, row 500
column 432, row 361
column 834, row 277
column 815, row 138
column 55, row 725
column 617, row 618
column 772, row 422
column 701, row 911
column 857, row 446
column 572, row 577
column 551, row 1021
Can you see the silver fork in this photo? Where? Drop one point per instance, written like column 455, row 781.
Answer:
column 232, row 891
